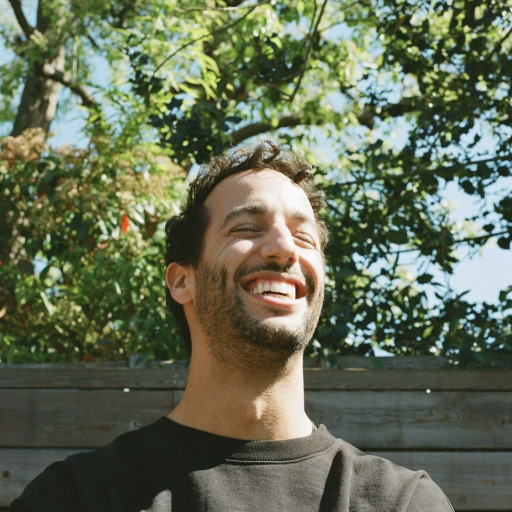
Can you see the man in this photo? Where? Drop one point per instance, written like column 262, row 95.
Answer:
column 245, row 280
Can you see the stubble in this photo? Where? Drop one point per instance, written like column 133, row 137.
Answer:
column 235, row 336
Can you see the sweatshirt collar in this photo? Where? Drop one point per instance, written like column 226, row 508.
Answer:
column 226, row 448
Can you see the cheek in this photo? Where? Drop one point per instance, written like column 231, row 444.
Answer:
column 235, row 257
column 238, row 251
column 314, row 265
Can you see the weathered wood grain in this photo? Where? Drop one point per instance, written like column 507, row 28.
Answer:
column 368, row 419
column 406, row 419
column 175, row 377
column 421, row 380
column 75, row 418
column 77, row 377
column 472, row 480
column 460, row 431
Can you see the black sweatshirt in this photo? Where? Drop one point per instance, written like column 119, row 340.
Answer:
column 168, row 467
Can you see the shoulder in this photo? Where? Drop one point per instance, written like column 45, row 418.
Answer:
column 378, row 480
column 103, row 474
column 428, row 496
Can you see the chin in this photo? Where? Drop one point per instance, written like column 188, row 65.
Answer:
column 277, row 336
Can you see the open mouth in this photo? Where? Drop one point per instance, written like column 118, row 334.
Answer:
column 275, row 288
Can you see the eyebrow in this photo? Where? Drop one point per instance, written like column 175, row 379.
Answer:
column 258, row 210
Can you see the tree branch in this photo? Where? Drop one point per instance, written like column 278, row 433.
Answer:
column 311, row 38
column 257, row 128
column 25, row 26
column 500, row 43
column 366, row 117
column 469, row 239
column 80, row 90
column 438, row 170
column 91, row 39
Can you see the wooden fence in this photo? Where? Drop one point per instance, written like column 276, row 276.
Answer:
column 456, row 424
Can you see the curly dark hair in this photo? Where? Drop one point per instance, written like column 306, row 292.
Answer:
column 185, row 232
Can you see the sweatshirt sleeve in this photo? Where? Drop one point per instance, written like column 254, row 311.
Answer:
column 428, row 497
column 52, row 491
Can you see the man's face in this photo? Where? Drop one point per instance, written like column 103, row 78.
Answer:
column 260, row 279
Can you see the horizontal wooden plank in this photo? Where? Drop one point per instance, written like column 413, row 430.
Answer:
column 76, row 377
column 76, row 418
column 473, row 481
column 402, row 362
column 368, row 419
column 175, row 377
column 421, row 380
column 407, row 419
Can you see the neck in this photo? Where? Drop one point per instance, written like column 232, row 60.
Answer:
column 244, row 403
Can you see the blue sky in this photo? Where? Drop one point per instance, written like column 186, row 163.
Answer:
column 488, row 272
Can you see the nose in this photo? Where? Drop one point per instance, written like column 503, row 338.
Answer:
column 279, row 245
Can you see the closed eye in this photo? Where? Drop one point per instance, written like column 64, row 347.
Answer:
column 245, row 229
column 305, row 238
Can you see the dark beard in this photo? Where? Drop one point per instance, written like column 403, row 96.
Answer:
column 228, row 325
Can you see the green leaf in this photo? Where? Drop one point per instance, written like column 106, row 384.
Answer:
column 424, row 278
column 504, row 242
column 397, row 236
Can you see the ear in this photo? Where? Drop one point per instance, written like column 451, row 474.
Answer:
column 178, row 282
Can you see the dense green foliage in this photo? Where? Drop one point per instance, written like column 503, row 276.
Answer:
column 391, row 101
column 93, row 228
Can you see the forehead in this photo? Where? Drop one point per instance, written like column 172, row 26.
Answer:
column 265, row 189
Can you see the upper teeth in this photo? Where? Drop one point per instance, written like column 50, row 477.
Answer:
column 280, row 287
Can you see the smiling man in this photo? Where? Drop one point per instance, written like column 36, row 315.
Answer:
column 245, row 281
column 251, row 292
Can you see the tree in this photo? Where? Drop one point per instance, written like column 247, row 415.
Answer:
column 407, row 96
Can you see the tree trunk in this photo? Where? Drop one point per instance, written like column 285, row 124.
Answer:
column 38, row 104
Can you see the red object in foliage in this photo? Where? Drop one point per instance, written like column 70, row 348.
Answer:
column 124, row 223
column 151, row 229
